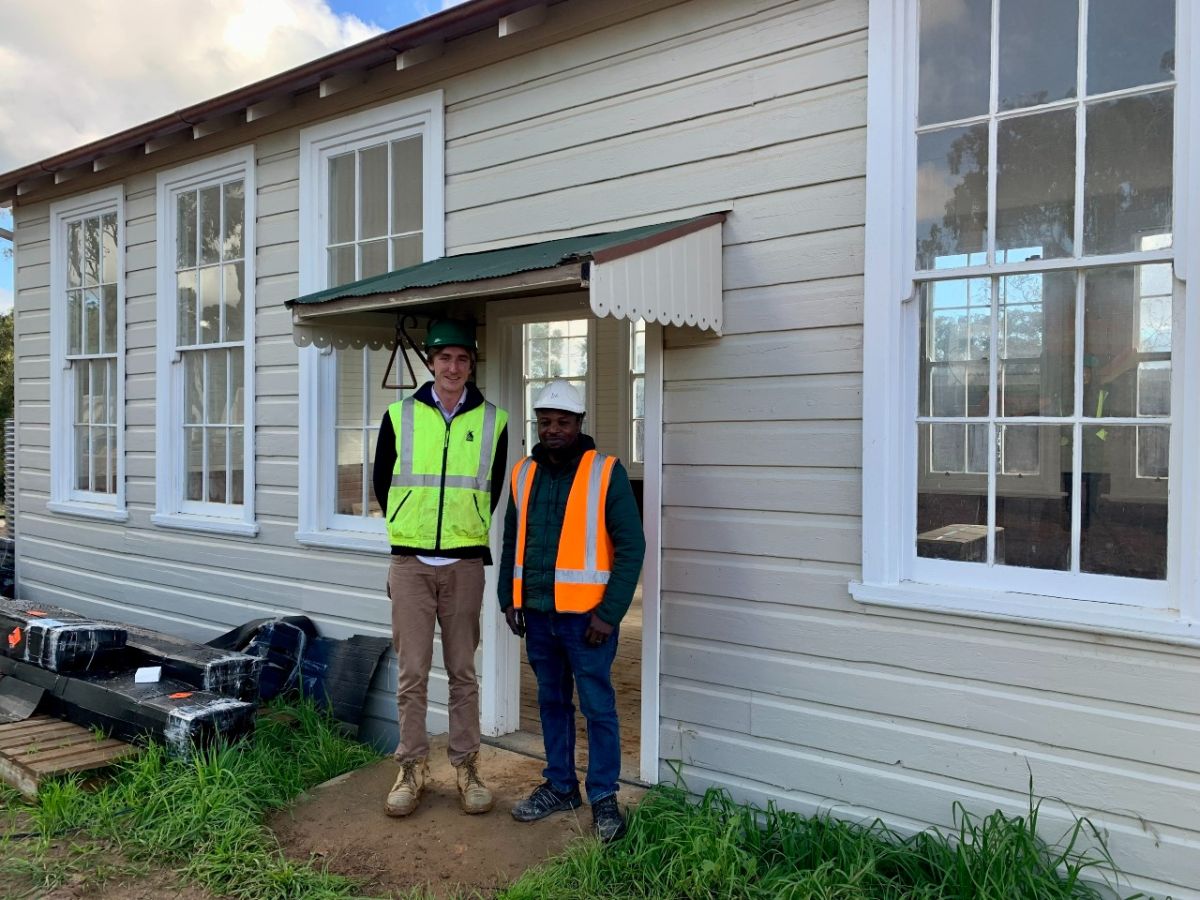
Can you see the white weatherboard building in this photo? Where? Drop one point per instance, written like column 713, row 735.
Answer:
column 891, row 309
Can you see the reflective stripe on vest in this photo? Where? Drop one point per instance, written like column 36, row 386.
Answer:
column 584, row 562
column 440, row 493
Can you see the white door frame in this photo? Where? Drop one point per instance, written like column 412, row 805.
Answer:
column 500, row 671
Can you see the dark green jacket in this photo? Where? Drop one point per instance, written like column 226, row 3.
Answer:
column 547, row 509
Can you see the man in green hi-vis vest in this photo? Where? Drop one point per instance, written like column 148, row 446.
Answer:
column 439, row 468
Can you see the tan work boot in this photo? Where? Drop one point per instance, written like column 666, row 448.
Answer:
column 473, row 794
column 405, row 794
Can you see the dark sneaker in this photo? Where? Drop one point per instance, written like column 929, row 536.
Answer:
column 543, row 801
column 607, row 819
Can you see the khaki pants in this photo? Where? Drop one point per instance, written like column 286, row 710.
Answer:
column 451, row 595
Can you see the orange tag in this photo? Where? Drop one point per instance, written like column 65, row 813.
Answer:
column 14, row 637
column 182, row 695
column 35, row 612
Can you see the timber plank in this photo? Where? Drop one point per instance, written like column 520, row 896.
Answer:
column 42, row 747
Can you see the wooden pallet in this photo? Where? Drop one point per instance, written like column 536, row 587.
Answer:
column 42, row 746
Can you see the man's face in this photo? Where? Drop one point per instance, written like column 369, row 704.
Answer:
column 451, row 368
column 558, row 429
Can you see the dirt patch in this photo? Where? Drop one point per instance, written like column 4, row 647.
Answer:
column 342, row 825
column 156, row 885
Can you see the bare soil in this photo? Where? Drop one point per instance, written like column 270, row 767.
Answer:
column 342, row 825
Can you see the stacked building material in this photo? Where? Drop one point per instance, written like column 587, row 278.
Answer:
column 129, row 680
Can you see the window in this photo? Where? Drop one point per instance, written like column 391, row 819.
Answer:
column 1034, row 444
column 637, row 392
column 370, row 202
column 553, row 350
column 206, row 324
column 88, row 345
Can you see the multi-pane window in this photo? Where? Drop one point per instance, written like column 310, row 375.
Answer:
column 375, row 222
column 637, row 391
column 92, row 340
column 552, row 350
column 210, row 290
column 1043, row 256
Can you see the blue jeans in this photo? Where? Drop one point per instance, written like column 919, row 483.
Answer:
column 563, row 662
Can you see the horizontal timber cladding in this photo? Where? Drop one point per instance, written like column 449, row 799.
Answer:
column 775, row 683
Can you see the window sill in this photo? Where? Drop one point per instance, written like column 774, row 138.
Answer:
column 1110, row 619
column 345, row 540
column 205, row 524
column 88, row 511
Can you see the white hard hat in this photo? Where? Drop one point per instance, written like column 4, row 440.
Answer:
column 560, row 395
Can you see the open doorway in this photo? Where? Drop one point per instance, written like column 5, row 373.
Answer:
column 535, row 341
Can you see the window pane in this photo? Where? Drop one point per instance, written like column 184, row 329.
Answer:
column 1033, row 496
column 99, row 458
column 74, row 254
column 1153, row 443
column 951, row 197
column 1035, row 187
column 350, row 472
column 235, row 277
column 374, row 259
column 111, row 392
column 1127, row 177
column 955, row 47
column 350, row 388
column 217, row 378
column 639, row 440
column 235, row 219
column 373, row 193
column 186, row 288
column 74, row 312
column 1130, row 43
column 112, row 461
column 378, row 397
column 341, row 199
column 407, row 251
column 956, row 336
column 193, row 387
column 1127, row 343
column 1038, row 47
column 108, row 248
column 406, row 186
column 91, row 320
column 108, row 300
column 951, row 504
column 639, row 398
column 237, row 466
column 217, row 466
column 1037, row 344
column 341, row 265
column 91, row 251
column 210, row 305
column 1123, row 516
column 83, row 391
column 237, row 380
column 185, row 230
column 96, row 399
column 82, row 479
column 210, row 224
column 193, row 440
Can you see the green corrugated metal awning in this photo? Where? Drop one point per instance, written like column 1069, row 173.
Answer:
column 499, row 263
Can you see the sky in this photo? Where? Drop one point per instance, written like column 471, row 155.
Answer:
column 71, row 71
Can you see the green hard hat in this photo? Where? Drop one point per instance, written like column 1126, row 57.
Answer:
column 451, row 333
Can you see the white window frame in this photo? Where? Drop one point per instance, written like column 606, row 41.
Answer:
column 423, row 115
column 891, row 573
column 172, row 510
column 64, row 498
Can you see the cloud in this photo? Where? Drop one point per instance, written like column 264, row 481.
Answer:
column 6, row 300
column 107, row 69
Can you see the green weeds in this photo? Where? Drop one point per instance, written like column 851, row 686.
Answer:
column 202, row 815
column 717, row 848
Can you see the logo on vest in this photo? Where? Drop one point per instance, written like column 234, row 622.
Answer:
column 470, row 435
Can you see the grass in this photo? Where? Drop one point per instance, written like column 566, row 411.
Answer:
column 717, row 848
column 202, row 816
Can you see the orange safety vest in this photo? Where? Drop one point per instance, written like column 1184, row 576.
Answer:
column 585, row 550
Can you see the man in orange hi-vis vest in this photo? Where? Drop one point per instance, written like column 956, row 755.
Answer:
column 573, row 550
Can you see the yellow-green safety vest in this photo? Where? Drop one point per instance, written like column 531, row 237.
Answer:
column 441, row 493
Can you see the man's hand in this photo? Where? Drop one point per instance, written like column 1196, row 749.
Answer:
column 598, row 631
column 516, row 621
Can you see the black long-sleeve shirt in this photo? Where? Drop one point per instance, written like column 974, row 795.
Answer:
column 385, row 464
